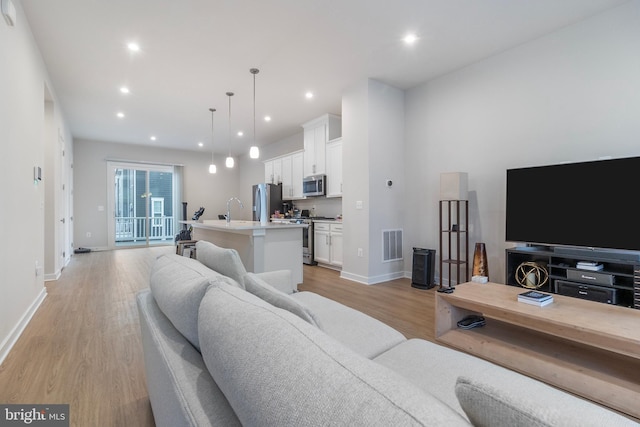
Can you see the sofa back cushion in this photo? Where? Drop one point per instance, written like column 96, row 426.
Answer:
column 519, row 401
column 225, row 261
column 258, row 287
column 276, row 369
column 178, row 284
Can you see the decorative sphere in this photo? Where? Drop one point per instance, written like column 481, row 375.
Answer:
column 531, row 275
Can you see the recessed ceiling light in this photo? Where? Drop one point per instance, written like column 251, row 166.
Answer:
column 267, row 118
column 200, row 144
column 133, row 47
column 308, row 95
column 120, row 114
column 124, row 90
column 240, row 133
column 153, row 138
column 410, row 39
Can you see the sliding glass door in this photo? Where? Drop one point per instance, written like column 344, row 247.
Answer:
column 141, row 204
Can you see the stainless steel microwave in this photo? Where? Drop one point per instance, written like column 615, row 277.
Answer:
column 314, row 185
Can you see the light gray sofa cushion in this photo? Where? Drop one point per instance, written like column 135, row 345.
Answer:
column 181, row 391
column 225, row 261
column 361, row 333
column 280, row 279
column 435, row 369
column 258, row 287
column 178, row 284
column 277, row 370
column 508, row 401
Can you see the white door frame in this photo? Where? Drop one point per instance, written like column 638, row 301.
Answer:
column 111, row 176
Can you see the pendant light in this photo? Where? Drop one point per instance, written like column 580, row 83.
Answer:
column 229, row 161
column 212, row 166
column 254, row 151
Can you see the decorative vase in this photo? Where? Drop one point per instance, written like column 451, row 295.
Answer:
column 480, row 265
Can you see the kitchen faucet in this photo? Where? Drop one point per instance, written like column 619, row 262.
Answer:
column 229, row 208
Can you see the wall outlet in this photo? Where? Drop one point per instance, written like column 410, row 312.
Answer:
column 359, row 204
column 360, row 252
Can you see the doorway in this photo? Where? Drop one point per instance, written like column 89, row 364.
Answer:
column 141, row 203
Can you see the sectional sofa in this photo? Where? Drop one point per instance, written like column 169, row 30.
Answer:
column 225, row 347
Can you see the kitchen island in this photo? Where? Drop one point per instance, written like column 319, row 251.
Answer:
column 261, row 247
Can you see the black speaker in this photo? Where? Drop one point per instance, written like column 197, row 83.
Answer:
column 422, row 276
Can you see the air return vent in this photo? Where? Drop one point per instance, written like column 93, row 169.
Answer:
column 391, row 245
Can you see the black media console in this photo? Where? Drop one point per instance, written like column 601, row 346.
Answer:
column 617, row 283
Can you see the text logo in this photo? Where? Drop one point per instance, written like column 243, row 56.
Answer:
column 34, row 415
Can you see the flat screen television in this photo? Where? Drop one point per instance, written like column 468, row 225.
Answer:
column 588, row 204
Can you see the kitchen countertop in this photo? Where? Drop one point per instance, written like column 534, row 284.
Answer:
column 233, row 225
column 328, row 220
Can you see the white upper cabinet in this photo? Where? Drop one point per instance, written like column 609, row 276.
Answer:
column 268, row 172
column 297, row 174
column 286, row 170
column 273, row 171
column 287, row 177
column 316, row 135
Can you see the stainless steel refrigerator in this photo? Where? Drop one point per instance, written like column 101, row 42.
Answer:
column 267, row 198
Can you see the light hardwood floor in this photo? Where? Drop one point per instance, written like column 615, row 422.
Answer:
column 82, row 346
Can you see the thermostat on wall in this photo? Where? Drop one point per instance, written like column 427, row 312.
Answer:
column 9, row 12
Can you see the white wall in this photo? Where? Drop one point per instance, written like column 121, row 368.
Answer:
column 90, row 179
column 355, row 181
column 373, row 131
column 572, row 95
column 23, row 79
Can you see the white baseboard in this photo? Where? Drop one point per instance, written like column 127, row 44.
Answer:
column 12, row 338
column 50, row 277
column 368, row 280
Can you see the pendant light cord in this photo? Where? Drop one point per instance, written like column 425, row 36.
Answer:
column 212, row 111
column 229, row 94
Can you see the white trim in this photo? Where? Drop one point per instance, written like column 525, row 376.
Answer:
column 50, row 277
column 15, row 333
column 372, row 280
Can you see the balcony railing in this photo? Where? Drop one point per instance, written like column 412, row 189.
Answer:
column 134, row 229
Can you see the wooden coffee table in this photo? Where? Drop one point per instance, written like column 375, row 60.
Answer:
column 584, row 347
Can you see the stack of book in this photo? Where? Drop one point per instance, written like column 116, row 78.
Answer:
column 535, row 298
column 586, row 265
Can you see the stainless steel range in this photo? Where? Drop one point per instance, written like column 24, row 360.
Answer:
column 307, row 243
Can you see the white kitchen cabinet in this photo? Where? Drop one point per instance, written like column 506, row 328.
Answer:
column 297, row 174
column 334, row 168
column 287, row 177
column 288, row 171
column 316, row 135
column 277, row 171
column 273, row 171
column 328, row 244
column 314, row 150
column 268, row 172
column 321, row 248
column 335, row 242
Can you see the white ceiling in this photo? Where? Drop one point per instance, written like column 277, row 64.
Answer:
column 193, row 51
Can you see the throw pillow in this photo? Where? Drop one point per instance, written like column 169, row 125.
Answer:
column 526, row 402
column 268, row 293
column 224, row 261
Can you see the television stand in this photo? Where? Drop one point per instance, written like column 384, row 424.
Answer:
column 586, row 348
column 617, row 283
